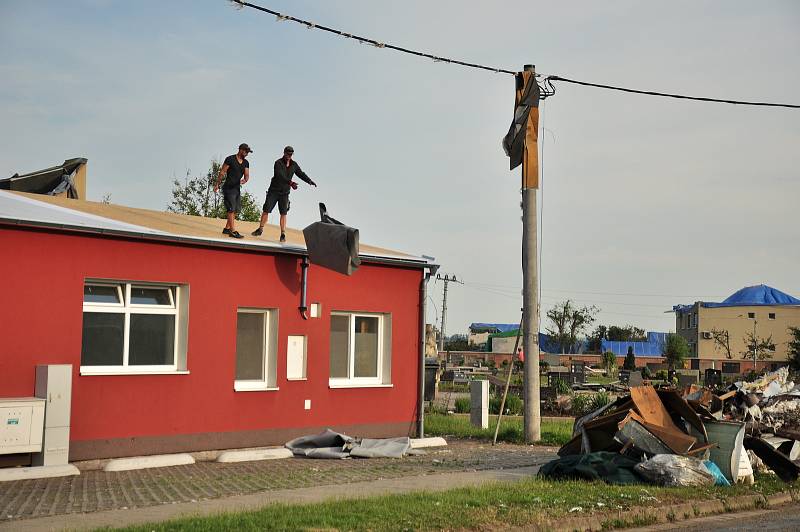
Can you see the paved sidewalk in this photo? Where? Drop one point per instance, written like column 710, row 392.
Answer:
column 97, row 498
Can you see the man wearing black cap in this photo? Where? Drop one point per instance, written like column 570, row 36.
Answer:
column 279, row 188
column 235, row 171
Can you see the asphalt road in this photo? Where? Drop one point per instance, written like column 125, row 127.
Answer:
column 785, row 517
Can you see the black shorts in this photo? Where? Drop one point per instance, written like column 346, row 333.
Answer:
column 273, row 198
column 232, row 198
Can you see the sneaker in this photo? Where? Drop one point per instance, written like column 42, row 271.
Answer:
column 235, row 234
column 257, row 232
column 283, row 237
column 226, row 231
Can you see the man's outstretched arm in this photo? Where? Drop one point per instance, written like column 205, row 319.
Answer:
column 302, row 175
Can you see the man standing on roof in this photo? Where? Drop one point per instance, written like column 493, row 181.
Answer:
column 235, row 171
column 279, row 188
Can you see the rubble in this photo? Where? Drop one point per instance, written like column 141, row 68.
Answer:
column 667, row 433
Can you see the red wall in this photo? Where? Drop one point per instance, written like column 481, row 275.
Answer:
column 41, row 318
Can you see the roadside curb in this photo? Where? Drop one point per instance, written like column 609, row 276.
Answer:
column 666, row 514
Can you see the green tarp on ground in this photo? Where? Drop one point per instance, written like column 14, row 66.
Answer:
column 609, row 467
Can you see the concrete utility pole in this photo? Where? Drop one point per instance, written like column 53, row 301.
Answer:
column 530, row 285
column 447, row 279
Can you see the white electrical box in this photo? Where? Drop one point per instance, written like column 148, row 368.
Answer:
column 21, row 425
column 296, row 358
column 54, row 385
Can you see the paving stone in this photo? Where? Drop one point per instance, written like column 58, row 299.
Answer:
column 98, row 490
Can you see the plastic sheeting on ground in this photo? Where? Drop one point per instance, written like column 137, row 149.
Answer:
column 330, row 444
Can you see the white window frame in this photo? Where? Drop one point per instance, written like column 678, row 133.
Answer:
column 127, row 308
column 381, row 379
column 267, row 382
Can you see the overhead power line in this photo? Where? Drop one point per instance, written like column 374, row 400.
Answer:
column 669, row 95
column 546, row 87
column 366, row 40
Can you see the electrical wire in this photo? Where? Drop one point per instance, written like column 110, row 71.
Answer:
column 550, row 79
column 373, row 42
column 546, row 87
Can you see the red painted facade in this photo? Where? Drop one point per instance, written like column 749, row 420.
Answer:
column 43, row 275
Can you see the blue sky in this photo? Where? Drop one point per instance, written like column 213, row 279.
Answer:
column 647, row 202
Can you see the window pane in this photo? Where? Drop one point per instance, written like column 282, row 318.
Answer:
column 340, row 331
column 250, row 346
column 366, row 347
column 102, row 339
column 150, row 296
column 152, row 340
column 100, row 294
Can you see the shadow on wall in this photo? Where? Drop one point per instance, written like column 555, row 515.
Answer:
column 288, row 270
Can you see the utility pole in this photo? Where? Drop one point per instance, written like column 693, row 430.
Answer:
column 530, row 281
column 447, row 278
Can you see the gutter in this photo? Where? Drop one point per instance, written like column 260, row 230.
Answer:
column 201, row 242
column 423, row 297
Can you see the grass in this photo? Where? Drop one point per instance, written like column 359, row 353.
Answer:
column 497, row 505
column 596, row 378
column 553, row 432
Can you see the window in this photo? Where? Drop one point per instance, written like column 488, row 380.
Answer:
column 751, row 315
column 255, row 348
column 772, row 315
column 133, row 328
column 730, row 367
column 359, row 350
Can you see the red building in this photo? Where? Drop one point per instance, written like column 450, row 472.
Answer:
column 182, row 339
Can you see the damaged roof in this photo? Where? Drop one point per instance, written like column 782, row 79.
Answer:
column 64, row 214
column 42, row 181
column 749, row 296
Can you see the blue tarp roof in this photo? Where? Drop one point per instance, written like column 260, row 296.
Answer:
column 640, row 349
column 494, row 327
column 750, row 296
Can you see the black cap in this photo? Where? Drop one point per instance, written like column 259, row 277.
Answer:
column 245, row 147
column 288, row 149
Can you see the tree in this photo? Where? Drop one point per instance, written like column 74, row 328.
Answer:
column 569, row 322
column 196, row 196
column 675, row 350
column 757, row 348
column 630, row 360
column 596, row 338
column 722, row 341
column 626, row 333
column 793, row 350
column 609, row 360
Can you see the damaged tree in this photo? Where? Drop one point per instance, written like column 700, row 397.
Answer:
column 722, row 341
column 569, row 322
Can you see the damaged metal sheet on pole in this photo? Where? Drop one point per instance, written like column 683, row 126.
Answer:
column 521, row 146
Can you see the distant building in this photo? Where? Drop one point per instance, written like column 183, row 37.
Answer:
column 760, row 310
column 479, row 332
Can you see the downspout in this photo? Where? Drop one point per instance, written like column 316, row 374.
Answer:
column 304, row 264
column 423, row 297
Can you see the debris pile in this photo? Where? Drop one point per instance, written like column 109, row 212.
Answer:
column 696, row 436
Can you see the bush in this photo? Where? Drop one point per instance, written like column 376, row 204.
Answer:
column 661, row 375
column 463, row 405
column 600, row 400
column 646, row 373
column 561, row 387
column 513, row 405
column 585, row 403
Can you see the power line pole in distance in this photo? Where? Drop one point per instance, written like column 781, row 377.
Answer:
column 447, row 278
